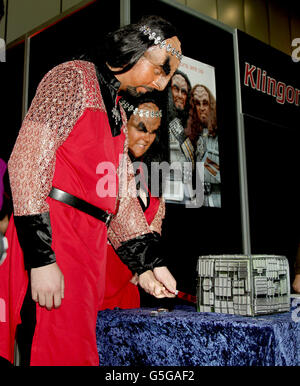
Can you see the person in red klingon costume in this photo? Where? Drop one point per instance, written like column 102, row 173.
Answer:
column 145, row 129
column 58, row 232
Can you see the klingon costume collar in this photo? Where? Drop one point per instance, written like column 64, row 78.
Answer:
column 109, row 86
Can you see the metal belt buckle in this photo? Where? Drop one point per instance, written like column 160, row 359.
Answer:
column 108, row 218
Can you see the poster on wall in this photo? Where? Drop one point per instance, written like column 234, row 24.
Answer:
column 193, row 137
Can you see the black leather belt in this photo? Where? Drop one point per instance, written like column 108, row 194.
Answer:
column 81, row 205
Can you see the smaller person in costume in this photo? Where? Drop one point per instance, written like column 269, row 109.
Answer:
column 144, row 131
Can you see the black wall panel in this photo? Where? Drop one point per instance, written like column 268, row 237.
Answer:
column 71, row 37
column 271, row 121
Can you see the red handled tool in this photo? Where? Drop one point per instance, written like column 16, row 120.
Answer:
column 185, row 296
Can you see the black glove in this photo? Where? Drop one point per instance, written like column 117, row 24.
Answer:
column 142, row 253
column 35, row 237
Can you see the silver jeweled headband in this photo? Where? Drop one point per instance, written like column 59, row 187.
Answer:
column 141, row 112
column 157, row 40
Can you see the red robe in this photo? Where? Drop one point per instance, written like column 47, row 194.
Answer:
column 63, row 139
column 119, row 291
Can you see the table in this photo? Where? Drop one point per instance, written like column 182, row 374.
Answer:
column 184, row 337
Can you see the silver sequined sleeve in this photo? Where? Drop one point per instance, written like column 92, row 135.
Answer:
column 130, row 221
column 60, row 100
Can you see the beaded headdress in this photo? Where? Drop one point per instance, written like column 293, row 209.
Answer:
column 158, row 40
column 140, row 112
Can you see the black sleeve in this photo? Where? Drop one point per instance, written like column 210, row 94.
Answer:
column 35, row 238
column 142, row 253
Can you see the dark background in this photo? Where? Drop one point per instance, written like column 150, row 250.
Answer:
column 11, row 95
column 273, row 172
column 272, row 149
column 70, row 38
column 67, row 39
column 278, row 66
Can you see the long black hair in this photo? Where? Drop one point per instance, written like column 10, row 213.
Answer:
column 125, row 46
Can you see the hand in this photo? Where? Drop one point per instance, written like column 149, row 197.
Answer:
column 296, row 283
column 135, row 279
column 164, row 276
column 152, row 286
column 47, row 286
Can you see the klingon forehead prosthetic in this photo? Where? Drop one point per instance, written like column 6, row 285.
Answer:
column 162, row 44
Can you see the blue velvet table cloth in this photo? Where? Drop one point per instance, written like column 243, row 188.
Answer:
column 184, row 337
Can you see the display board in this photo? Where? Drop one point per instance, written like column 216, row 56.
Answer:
column 270, row 87
column 270, row 82
column 272, row 174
